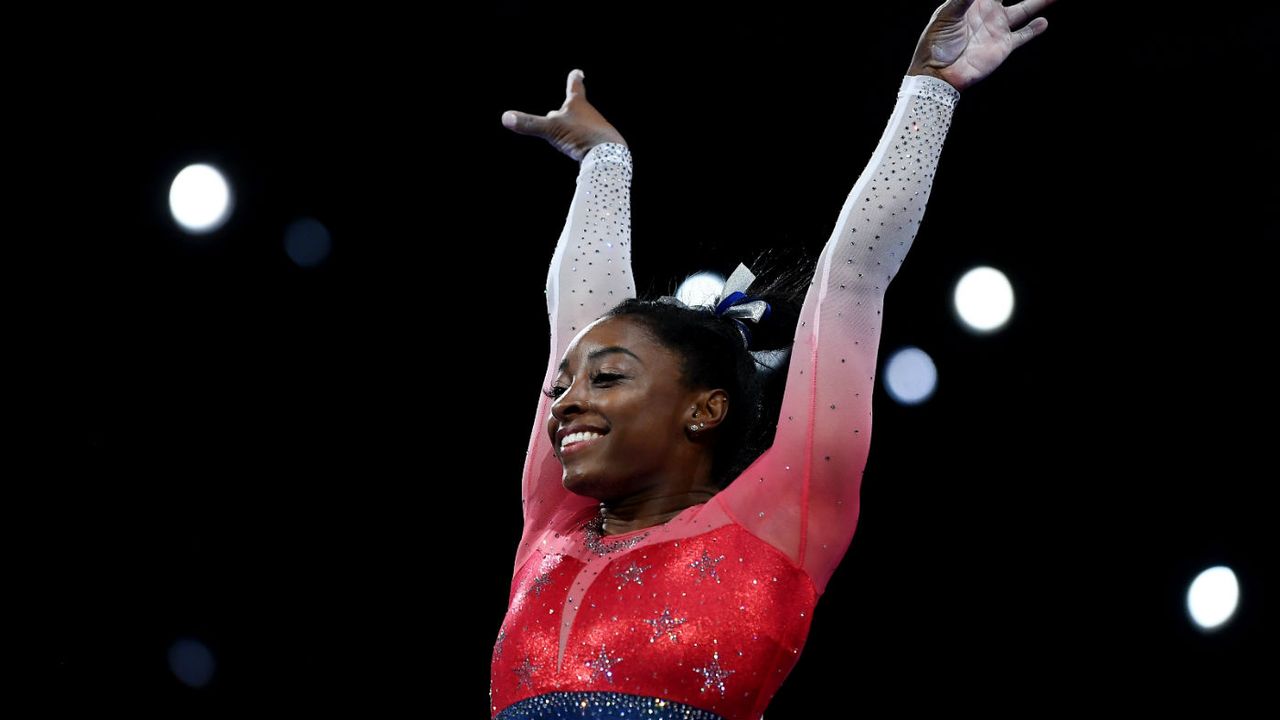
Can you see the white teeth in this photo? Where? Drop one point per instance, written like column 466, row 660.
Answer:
column 577, row 437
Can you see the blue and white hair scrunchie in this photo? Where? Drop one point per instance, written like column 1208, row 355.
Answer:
column 736, row 304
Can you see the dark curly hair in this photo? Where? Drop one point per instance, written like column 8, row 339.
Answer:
column 714, row 357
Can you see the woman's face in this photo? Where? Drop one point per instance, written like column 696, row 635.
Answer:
column 618, row 381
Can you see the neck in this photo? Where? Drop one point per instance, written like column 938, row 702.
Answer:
column 631, row 514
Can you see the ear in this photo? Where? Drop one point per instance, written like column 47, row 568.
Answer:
column 711, row 408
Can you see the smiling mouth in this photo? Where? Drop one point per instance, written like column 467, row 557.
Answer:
column 579, row 445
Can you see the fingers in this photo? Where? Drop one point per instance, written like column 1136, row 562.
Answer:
column 1025, row 10
column 522, row 123
column 1032, row 29
column 526, row 124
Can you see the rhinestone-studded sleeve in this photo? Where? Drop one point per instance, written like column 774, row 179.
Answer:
column 802, row 494
column 590, row 273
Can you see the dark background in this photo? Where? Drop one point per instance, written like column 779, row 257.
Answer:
column 315, row 472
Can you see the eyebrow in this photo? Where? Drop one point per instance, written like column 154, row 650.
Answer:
column 564, row 364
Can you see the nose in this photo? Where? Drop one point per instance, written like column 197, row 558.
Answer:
column 570, row 403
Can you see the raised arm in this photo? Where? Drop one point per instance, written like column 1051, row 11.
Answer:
column 590, row 272
column 802, row 494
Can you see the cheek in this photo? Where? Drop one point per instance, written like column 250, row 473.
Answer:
column 645, row 436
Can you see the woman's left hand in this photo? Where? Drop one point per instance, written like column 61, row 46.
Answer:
column 966, row 40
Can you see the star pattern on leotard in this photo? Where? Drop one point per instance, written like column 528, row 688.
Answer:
column 714, row 674
column 524, row 673
column 706, row 565
column 665, row 623
column 632, row 574
column 602, row 664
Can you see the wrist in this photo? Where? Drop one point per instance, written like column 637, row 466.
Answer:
column 928, row 86
column 588, row 148
column 926, row 71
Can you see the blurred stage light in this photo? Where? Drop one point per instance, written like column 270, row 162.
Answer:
column 1213, row 597
column 307, row 242
column 700, row 288
column 191, row 662
column 984, row 299
column 911, row 376
column 200, row 199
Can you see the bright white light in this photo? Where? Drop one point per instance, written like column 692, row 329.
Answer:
column 1213, row 596
column 984, row 299
column 200, row 199
column 700, row 289
column 911, row 376
column 306, row 242
column 191, row 662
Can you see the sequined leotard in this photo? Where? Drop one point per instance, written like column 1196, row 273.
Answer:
column 705, row 615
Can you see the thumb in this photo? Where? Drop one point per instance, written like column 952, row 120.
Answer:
column 522, row 123
column 574, row 84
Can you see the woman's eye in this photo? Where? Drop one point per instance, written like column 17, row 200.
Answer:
column 556, row 391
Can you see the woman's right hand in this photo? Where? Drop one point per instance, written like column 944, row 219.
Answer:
column 966, row 40
column 573, row 129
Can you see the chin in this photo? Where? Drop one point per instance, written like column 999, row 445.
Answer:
column 579, row 486
column 584, row 486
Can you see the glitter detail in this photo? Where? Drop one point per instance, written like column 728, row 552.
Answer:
column 706, row 565
column 614, row 705
column 632, row 574
column 665, row 624
column 592, row 538
column 539, row 583
column 602, row 665
column 502, row 638
column 524, row 673
column 714, row 674
column 931, row 90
